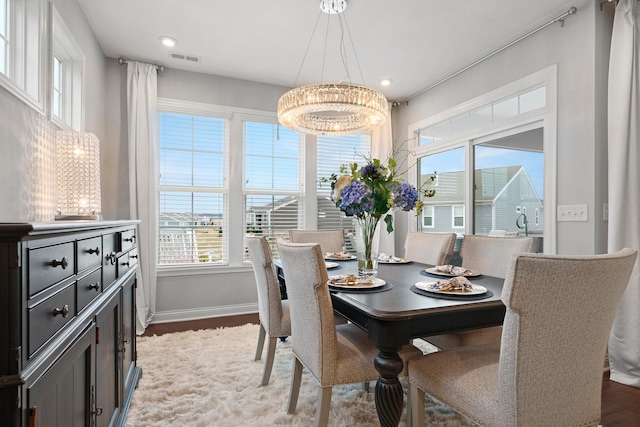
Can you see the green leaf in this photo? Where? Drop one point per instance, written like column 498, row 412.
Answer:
column 389, row 220
column 392, row 163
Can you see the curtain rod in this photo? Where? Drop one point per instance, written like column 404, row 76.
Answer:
column 123, row 61
column 571, row 11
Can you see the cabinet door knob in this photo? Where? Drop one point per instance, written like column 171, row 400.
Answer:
column 94, row 251
column 130, row 239
column 95, row 286
column 64, row 311
column 64, row 262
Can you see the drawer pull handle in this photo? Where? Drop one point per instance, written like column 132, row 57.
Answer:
column 112, row 258
column 95, row 286
column 130, row 239
column 127, row 341
column 64, row 311
column 94, row 251
column 133, row 256
column 64, row 263
column 126, row 264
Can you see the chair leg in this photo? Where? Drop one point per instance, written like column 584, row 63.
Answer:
column 365, row 386
column 296, row 378
column 268, row 364
column 324, row 404
column 261, row 336
column 417, row 406
column 409, row 419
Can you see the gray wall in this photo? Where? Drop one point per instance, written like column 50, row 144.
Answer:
column 580, row 49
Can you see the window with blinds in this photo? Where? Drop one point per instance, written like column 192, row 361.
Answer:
column 192, row 227
column 273, row 167
column 334, row 151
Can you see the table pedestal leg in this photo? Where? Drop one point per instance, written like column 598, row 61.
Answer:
column 389, row 395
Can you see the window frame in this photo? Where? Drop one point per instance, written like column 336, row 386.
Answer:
column 454, row 216
column 425, row 216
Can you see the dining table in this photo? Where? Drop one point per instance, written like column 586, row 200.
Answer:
column 398, row 312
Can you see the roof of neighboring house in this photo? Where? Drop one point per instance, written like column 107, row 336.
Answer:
column 489, row 184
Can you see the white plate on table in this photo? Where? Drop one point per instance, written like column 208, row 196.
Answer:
column 471, row 273
column 339, row 257
column 429, row 287
column 372, row 282
column 331, row 265
column 394, row 261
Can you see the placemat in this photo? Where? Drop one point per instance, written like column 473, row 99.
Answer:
column 419, row 291
column 382, row 288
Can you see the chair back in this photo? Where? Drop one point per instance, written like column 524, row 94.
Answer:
column 329, row 240
column 429, row 248
column 312, row 323
column 559, row 314
column 490, row 255
column 269, row 300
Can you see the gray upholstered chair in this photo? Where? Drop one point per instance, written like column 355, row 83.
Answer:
column 333, row 354
column 489, row 255
column 548, row 370
column 429, row 248
column 329, row 240
column 274, row 313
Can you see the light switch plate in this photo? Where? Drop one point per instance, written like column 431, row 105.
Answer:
column 573, row 213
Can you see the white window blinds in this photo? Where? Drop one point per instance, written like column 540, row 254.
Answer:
column 334, row 151
column 193, row 215
column 273, row 202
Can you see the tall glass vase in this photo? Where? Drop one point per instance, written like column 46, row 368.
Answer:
column 367, row 260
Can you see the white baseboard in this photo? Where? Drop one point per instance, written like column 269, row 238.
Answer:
column 203, row 313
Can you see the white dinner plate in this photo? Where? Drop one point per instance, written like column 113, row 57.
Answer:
column 428, row 286
column 394, row 261
column 331, row 265
column 442, row 273
column 373, row 282
column 334, row 257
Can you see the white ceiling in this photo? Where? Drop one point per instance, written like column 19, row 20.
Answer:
column 414, row 42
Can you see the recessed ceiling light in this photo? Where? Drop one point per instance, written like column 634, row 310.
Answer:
column 168, row 41
column 385, row 82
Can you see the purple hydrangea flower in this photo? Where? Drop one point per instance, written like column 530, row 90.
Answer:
column 369, row 171
column 405, row 196
column 356, row 199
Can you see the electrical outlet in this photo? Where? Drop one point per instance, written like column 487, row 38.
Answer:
column 573, row 213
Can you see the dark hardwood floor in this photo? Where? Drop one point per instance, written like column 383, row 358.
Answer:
column 620, row 403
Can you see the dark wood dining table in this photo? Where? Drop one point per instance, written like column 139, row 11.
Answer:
column 392, row 318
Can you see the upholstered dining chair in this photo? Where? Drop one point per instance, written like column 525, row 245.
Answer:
column 329, row 240
column 333, row 354
column 273, row 312
column 489, row 255
column 548, row 370
column 429, row 248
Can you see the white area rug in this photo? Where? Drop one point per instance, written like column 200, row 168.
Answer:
column 208, row 378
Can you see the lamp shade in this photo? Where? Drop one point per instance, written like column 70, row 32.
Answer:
column 78, row 176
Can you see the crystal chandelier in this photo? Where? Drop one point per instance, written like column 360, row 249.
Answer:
column 332, row 108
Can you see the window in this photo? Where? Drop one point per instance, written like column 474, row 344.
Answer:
column 427, row 217
column 332, row 152
column 192, row 227
column 4, row 35
column 458, row 216
column 22, row 46
column 66, row 85
column 273, row 187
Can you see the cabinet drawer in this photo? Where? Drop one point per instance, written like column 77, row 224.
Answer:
column 128, row 240
column 89, row 251
column 126, row 261
column 49, row 265
column 88, row 288
column 46, row 318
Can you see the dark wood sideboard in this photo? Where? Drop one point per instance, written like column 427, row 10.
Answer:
column 67, row 323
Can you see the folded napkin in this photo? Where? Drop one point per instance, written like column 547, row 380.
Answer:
column 457, row 284
column 350, row 280
column 388, row 258
column 339, row 255
column 452, row 269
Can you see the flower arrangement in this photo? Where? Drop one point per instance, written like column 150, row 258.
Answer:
column 370, row 192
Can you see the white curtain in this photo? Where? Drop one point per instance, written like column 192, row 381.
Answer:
column 142, row 99
column 382, row 148
column 624, row 176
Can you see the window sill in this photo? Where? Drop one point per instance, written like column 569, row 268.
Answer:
column 201, row 270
